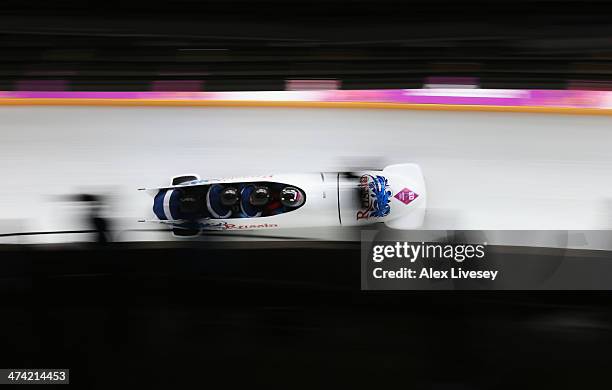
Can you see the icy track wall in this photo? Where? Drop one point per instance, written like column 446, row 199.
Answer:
column 486, row 169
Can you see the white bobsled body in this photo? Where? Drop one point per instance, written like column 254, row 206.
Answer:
column 395, row 196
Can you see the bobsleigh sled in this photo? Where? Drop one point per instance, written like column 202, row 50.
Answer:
column 395, row 196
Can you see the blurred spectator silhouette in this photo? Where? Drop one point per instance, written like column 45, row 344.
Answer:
column 95, row 218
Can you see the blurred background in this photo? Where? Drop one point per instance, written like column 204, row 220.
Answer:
column 114, row 300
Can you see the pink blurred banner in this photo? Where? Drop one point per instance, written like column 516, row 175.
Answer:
column 475, row 96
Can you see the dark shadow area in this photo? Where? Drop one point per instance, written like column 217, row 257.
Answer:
column 252, row 315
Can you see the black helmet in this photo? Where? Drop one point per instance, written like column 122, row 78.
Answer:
column 229, row 196
column 189, row 204
column 260, row 196
column 292, row 197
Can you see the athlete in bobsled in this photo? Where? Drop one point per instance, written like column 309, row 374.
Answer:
column 396, row 196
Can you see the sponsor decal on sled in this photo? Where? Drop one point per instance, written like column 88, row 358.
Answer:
column 375, row 197
column 406, row 196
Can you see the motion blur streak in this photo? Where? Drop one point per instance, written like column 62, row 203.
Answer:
column 483, row 170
